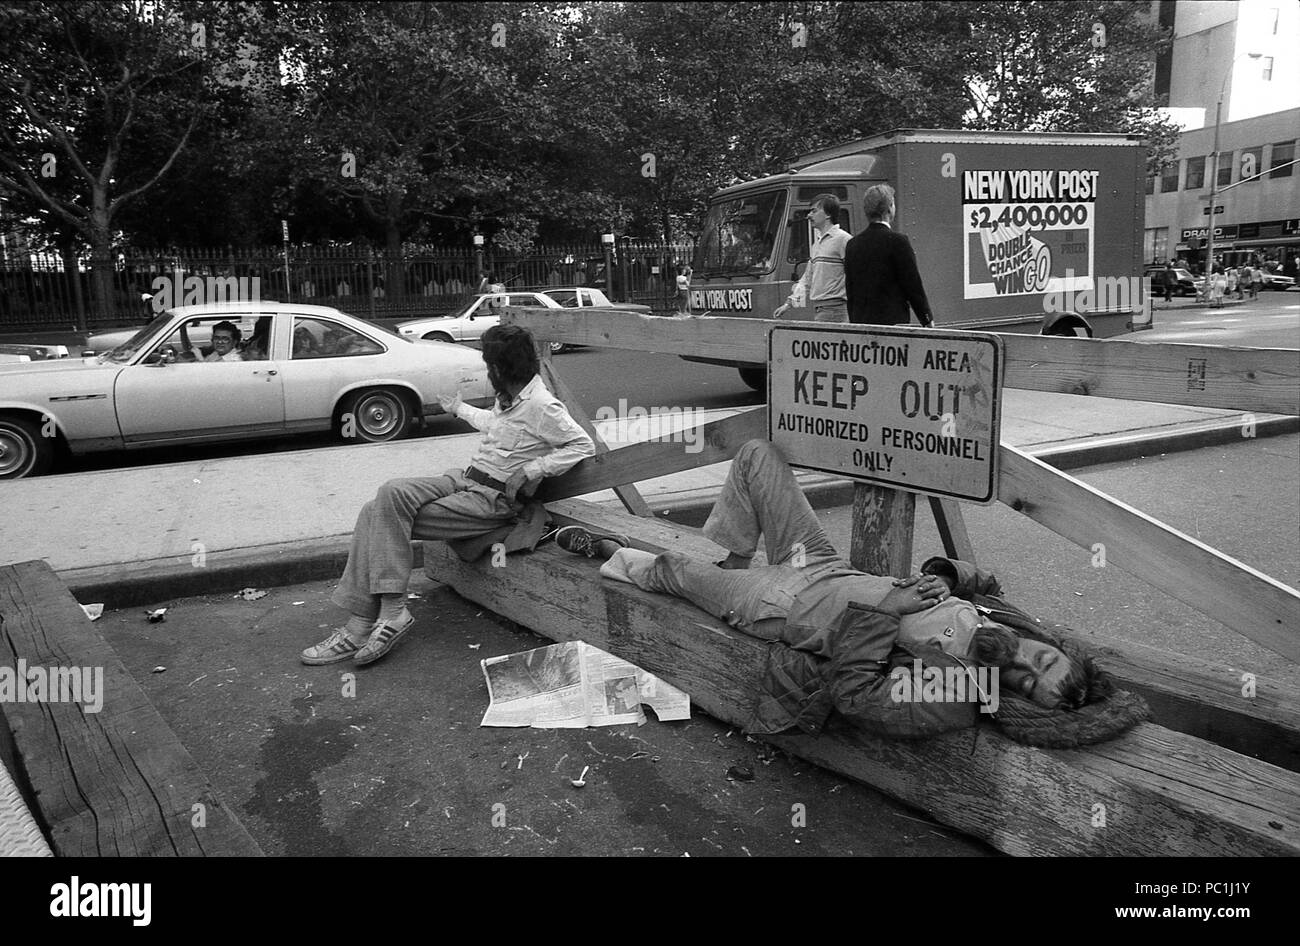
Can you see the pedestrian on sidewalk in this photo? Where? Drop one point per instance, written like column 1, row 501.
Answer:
column 1170, row 279
column 822, row 283
column 527, row 435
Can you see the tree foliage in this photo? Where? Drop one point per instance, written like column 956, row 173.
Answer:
column 401, row 122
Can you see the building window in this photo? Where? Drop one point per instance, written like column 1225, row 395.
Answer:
column 1169, row 177
column 1151, row 183
column 1252, row 160
column 1283, row 153
column 1225, row 168
column 1268, row 68
column 1195, row 174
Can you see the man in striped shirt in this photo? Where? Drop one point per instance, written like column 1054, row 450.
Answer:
column 822, row 284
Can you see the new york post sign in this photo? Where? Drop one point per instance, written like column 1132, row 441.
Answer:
column 918, row 410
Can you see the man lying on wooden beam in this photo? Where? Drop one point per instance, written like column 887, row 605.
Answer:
column 892, row 655
column 527, row 436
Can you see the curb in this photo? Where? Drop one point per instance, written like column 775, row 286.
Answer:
column 156, row 580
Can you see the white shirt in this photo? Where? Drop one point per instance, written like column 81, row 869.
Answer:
column 232, row 355
column 823, row 280
column 534, row 434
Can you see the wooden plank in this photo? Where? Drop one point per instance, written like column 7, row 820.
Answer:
column 628, row 494
column 1203, row 801
column 1235, row 378
column 884, row 522
column 1190, row 695
column 113, row 783
column 952, row 529
column 1238, row 596
column 1231, row 378
column 718, row 440
column 1207, row 700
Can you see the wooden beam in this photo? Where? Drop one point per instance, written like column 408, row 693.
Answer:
column 1231, row 378
column 884, row 521
column 111, row 783
column 1163, row 792
column 628, row 494
column 1238, row 596
column 1205, row 699
column 1189, row 694
column 718, row 441
column 952, row 529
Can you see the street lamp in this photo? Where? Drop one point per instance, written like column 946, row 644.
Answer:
column 607, row 241
column 1214, row 179
column 478, row 258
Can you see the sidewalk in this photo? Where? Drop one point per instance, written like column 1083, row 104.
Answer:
column 287, row 517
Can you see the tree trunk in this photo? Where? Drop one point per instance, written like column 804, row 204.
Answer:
column 71, row 269
column 101, row 256
column 394, row 277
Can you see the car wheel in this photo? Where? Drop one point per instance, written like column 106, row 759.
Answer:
column 756, row 378
column 557, row 347
column 23, row 451
column 374, row 416
column 439, row 337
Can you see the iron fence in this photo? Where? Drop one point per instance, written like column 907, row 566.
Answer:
column 46, row 290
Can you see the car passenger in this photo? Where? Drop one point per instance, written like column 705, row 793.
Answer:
column 259, row 343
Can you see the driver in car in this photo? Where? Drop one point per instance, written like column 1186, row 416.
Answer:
column 225, row 338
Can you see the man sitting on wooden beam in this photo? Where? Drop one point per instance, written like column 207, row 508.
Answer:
column 527, row 436
column 893, row 655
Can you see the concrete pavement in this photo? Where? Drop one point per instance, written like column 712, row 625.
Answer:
column 188, row 528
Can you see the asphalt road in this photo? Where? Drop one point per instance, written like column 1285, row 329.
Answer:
column 603, row 377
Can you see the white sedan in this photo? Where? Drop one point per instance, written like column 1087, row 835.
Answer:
column 299, row 368
column 470, row 321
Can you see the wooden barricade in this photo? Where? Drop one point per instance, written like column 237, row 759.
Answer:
column 1168, row 784
column 116, row 782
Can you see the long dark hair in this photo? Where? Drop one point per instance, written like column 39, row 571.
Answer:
column 511, row 356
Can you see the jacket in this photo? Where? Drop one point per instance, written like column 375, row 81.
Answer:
column 882, row 280
column 855, row 675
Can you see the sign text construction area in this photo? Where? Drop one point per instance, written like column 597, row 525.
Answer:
column 914, row 409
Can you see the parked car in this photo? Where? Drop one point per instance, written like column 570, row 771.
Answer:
column 470, row 321
column 1184, row 282
column 107, row 339
column 584, row 296
column 320, row 369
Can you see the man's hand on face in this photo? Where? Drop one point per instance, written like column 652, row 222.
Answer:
column 520, row 484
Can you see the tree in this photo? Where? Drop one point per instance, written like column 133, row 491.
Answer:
column 1079, row 66
column 100, row 100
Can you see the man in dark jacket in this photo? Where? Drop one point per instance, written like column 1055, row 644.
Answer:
column 843, row 639
column 880, row 274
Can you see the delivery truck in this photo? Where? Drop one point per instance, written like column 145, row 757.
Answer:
column 1013, row 231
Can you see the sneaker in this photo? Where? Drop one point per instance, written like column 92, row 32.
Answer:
column 383, row 637
column 338, row 646
column 579, row 541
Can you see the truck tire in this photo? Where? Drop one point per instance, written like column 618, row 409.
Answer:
column 1069, row 325
column 755, row 377
column 23, row 451
column 375, row 415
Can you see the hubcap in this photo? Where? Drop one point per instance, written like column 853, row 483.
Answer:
column 378, row 416
column 13, row 452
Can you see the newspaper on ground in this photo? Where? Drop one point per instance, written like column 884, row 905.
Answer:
column 572, row 686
